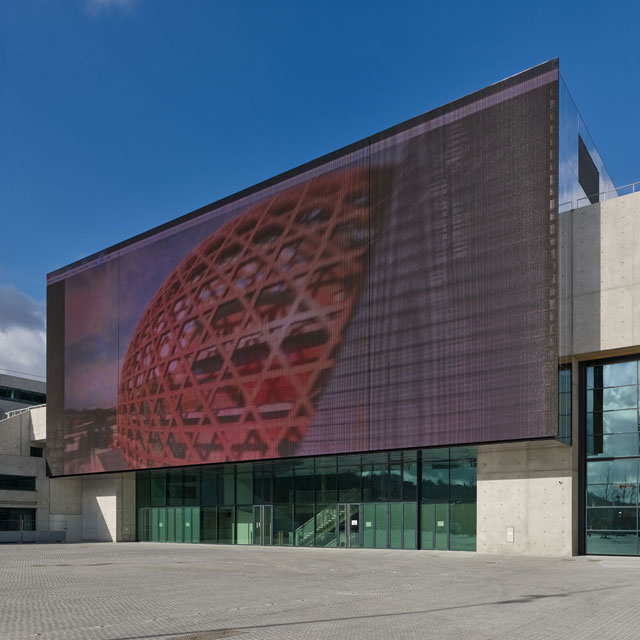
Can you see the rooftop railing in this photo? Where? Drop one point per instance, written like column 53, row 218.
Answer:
column 15, row 412
column 600, row 197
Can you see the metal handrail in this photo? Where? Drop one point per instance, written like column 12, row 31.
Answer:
column 15, row 412
column 603, row 195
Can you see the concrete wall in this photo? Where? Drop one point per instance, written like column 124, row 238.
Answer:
column 525, row 496
column 15, row 459
column 99, row 507
column 109, row 507
column 600, row 278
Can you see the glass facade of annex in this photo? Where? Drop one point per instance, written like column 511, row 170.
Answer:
column 419, row 499
column 612, row 458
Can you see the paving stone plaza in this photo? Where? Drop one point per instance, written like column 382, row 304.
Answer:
column 196, row 592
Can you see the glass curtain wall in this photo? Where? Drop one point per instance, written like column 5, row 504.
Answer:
column 399, row 500
column 613, row 458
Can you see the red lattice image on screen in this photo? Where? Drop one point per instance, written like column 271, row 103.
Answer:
column 237, row 344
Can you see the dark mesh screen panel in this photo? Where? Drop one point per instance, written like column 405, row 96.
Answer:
column 398, row 293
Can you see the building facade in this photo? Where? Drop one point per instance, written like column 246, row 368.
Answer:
column 18, row 393
column 383, row 348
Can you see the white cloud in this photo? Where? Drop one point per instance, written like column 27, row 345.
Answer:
column 96, row 6
column 22, row 332
column 23, row 350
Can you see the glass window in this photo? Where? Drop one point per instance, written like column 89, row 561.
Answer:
column 226, row 482
column 325, row 525
column 263, row 483
column 209, row 486
column 368, row 524
column 382, row 526
column 612, row 422
column 621, row 444
column 463, row 527
column 564, row 380
column 304, row 525
column 462, row 478
column 395, row 482
column 395, row 510
column 620, row 374
column 17, row 519
column 283, row 482
column 244, row 483
column 244, row 525
column 610, row 495
column 564, row 404
column 435, row 479
column 410, row 525
column 612, row 518
column 326, row 480
column 17, row 483
column 612, row 543
column 379, row 482
column 209, row 524
column 36, row 452
column 427, row 525
column 612, row 471
column 158, row 489
column 282, row 524
column 349, row 479
column 304, row 481
column 143, row 489
column 191, row 487
column 612, row 398
column 174, row 488
column 226, row 530
column 410, row 480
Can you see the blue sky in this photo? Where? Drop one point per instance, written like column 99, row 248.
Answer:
column 118, row 115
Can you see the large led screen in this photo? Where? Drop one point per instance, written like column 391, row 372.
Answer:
column 398, row 293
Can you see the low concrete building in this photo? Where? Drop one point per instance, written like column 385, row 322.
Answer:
column 17, row 392
column 37, row 508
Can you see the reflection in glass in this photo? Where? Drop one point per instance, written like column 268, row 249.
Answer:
column 612, row 518
column 620, row 374
column 442, row 526
column 244, row 525
column 612, row 543
column 304, row 525
column 326, row 525
column 612, row 398
column 396, row 525
column 283, row 524
column 463, row 527
column 621, row 444
column 427, row 526
column 232, row 503
column 368, row 524
column 625, row 421
column 610, row 495
column 381, row 526
column 612, row 471
column 410, row 525
column 225, row 526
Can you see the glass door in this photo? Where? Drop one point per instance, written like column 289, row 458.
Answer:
column 262, row 524
column 348, row 525
column 435, row 526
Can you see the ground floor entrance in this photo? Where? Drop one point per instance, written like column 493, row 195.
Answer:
column 390, row 500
